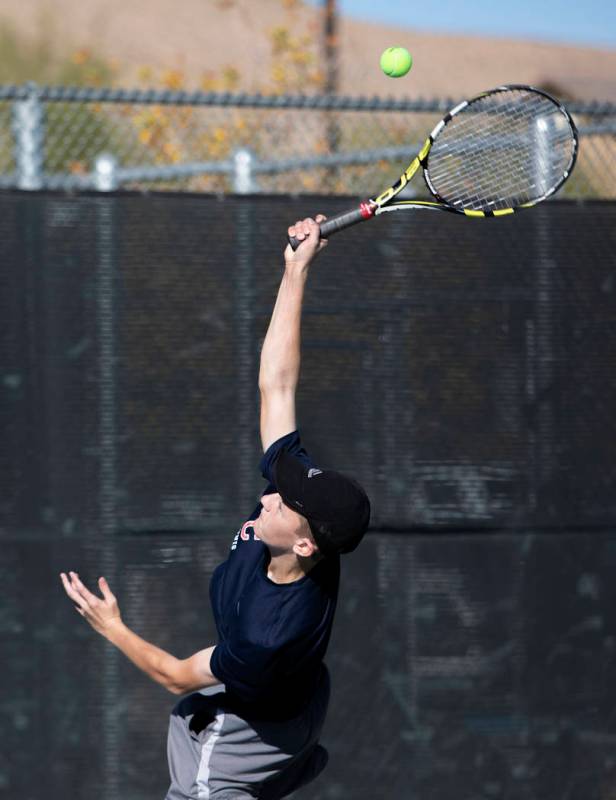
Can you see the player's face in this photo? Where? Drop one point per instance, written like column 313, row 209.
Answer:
column 278, row 526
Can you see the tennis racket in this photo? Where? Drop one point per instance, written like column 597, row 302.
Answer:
column 506, row 149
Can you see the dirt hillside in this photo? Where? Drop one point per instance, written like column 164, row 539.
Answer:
column 196, row 36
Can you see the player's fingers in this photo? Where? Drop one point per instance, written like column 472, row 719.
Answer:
column 320, row 218
column 311, row 228
column 296, row 231
column 70, row 591
column 87, row 595
column 68, row 586
column 306, row 228
column 106, row 591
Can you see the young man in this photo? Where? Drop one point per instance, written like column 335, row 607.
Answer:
column 252, row 728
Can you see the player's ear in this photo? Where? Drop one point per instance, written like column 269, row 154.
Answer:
column 305, row 547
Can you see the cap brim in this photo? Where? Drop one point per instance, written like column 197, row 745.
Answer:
column 288, row 474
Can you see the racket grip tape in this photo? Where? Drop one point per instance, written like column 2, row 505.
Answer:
column 340, row 221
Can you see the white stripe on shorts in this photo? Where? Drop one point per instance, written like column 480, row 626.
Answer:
column 203, row 776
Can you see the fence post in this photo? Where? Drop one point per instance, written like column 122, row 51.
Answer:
column 28, row 130
column 243, row 172
column 110, row 721
column 105, row 173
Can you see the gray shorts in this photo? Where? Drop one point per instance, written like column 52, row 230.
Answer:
column 216, row 755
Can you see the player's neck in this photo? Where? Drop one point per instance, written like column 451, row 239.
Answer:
column 288, row 568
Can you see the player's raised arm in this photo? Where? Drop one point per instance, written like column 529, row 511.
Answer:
column 280, row 355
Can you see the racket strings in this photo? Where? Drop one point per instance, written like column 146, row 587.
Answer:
column 500, row 151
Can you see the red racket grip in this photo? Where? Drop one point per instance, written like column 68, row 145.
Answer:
column 364, row 211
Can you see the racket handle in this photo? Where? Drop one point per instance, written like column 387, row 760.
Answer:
column 340, row 221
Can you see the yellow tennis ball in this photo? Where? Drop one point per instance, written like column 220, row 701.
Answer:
column 396, row 61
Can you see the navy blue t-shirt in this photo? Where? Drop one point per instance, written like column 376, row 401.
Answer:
column 271, row 637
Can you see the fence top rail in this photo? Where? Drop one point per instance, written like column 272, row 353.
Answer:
column 78, row 94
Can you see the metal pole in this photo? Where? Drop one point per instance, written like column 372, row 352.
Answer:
column 245, row 352
column 540, row 334
column 243, row 172
column 28, row 130
column 105, row 173
column 108, row 515
column 331, row 47
column 330, row 40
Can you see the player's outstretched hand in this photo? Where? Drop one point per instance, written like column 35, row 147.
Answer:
column 102, row 613
column 307, row 231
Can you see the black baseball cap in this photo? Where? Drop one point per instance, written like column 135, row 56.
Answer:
column 336, row 507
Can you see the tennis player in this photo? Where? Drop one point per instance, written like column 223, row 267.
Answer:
column 250, row 725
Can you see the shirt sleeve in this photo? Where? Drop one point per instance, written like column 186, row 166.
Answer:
column 292, row 444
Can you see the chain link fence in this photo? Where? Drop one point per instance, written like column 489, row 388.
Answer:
column 102, row 139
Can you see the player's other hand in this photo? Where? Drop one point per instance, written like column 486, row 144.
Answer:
column 307, row 231
column 102, row 613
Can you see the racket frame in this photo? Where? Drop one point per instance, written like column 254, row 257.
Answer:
column 383, row 202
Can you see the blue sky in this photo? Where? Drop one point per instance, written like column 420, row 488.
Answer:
column 582, row 22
